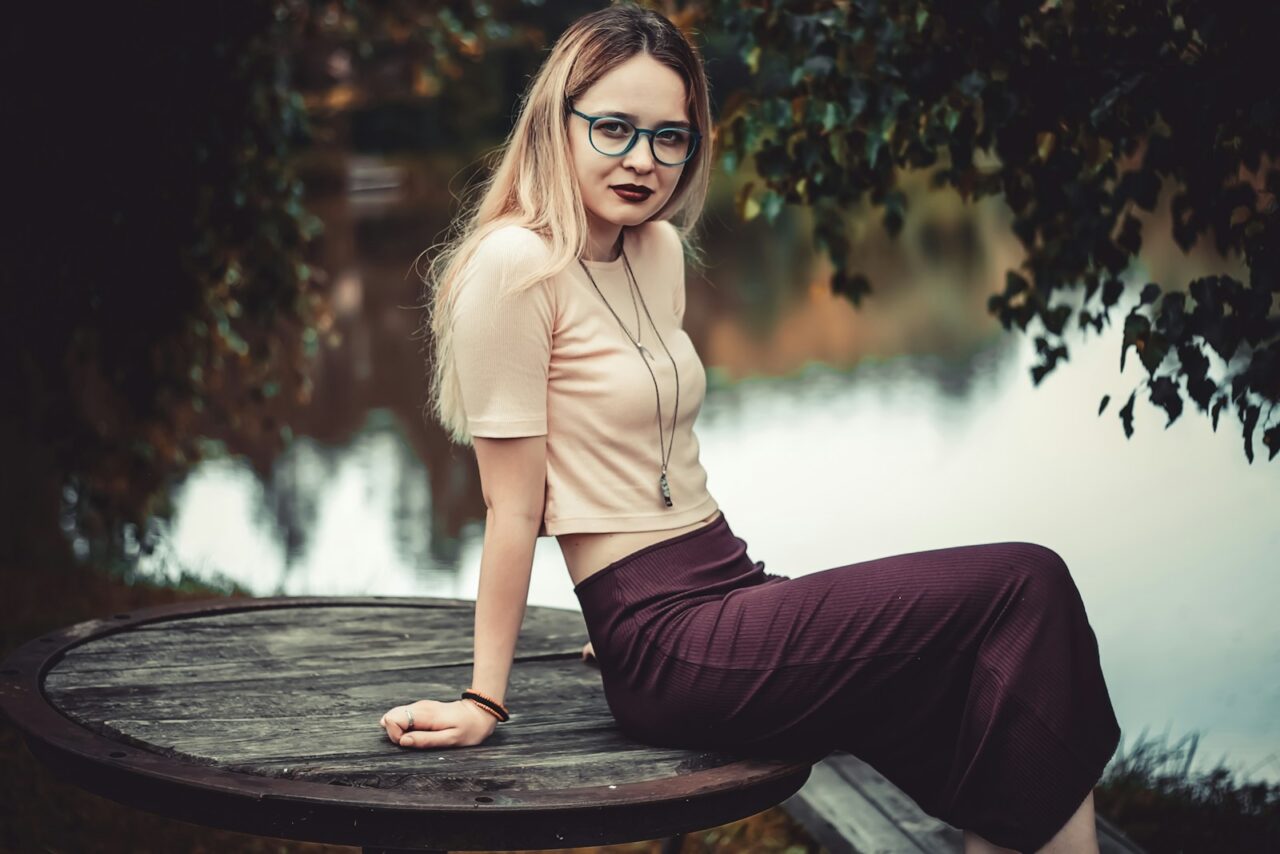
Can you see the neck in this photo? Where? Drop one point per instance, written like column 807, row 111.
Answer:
column 602, row 243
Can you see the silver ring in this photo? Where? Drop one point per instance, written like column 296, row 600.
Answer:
column 408, row 711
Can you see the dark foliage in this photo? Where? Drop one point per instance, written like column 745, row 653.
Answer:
column 1163, row 805
column 156, row 279
column 156, row 285
column 1079, row 114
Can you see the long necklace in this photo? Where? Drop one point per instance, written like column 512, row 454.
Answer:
column 634, row 287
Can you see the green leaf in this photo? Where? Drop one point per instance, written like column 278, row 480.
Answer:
column 950, row 118
column 1126, row 415
column 874, row 143
column 1152, row 350
column 1130, row 238
column 772, row 205
column 1164, row 393
column 853, row 286
column 1250, row 421
column 1136, row 326
column 831, row 116
column 1055, row 320
column 1217, row 410
column 1111, row 291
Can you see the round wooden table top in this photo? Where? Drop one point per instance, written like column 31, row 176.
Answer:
column 261, row 716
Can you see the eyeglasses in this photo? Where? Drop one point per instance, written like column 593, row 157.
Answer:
column 614, row 137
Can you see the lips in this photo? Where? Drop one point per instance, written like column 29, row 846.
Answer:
column 631, row 192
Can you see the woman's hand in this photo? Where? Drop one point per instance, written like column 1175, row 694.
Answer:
column 588, row 652
column 459, row 723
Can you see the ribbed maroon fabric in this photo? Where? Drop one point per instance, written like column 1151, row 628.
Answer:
column 969, row 676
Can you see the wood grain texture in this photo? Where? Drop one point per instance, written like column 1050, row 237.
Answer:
column 851, row 808
column 262, row 716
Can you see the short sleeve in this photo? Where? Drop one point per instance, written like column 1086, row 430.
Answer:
column 502, row 347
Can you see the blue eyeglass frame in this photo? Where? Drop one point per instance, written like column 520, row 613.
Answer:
column 636, row 136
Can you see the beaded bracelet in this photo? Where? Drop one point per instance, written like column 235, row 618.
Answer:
column 490, row 705
column 480, row 705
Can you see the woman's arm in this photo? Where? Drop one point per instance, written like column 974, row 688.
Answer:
column 513, row 479
column 513, row 475
column 502, row 346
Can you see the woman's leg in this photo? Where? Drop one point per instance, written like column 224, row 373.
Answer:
column 1078, row 836
column 969, row 676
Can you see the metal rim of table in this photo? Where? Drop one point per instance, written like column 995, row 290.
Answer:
column 315, row 811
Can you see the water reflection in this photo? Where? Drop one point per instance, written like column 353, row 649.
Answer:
column 829, row 435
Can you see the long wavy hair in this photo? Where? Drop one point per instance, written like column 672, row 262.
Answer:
column 534, row 184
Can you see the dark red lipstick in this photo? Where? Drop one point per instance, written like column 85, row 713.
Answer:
column 632, row 192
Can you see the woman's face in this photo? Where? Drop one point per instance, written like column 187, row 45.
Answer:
column 649, row 95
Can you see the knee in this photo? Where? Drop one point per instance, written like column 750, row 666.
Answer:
column 1041, row 567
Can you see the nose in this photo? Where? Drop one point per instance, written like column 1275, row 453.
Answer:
column 639, row 157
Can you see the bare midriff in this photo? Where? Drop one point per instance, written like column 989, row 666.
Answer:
column 587, row 553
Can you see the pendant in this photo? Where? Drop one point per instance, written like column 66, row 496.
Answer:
column 645, row 351
column 666, row 489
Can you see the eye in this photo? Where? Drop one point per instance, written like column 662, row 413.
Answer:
column 613, row 127
column 673, row 136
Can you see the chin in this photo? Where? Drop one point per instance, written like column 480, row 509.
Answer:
column 633, row 213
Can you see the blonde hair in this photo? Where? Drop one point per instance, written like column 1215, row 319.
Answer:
column 534, row 183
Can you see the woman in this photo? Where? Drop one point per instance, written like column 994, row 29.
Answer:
column 969, row 676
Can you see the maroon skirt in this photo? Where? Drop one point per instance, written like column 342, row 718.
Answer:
column 968, row 676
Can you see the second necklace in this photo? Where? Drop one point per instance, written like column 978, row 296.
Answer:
column 664, row 448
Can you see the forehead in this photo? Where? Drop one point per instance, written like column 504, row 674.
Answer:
column 642, row 86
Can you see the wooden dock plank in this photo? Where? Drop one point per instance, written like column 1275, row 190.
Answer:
column 850, row 808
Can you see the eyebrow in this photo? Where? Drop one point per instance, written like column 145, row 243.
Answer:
column 635, row 120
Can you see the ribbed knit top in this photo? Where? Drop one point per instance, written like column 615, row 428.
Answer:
column 553, row 360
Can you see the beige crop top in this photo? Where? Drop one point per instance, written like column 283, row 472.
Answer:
column 553, row 360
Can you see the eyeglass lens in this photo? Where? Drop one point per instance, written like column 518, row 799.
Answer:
column 670, row 145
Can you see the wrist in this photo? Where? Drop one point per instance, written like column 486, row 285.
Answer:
column 487, row 704
column 481, row 712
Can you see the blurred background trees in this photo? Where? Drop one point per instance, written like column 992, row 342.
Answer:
column 1081, row 115
column 158, row 297
column 159, row 301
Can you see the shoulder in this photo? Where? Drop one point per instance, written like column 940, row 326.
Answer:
column 496, row 275
column 512, row 244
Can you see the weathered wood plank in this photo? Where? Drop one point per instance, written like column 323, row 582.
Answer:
column 297, row 703
column 851, row 808
column 232, row 648
column 925, row 831
column 841, row 819
column 1112, row 840
column 260, row 716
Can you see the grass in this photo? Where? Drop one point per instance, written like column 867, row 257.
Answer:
column 1149, row 791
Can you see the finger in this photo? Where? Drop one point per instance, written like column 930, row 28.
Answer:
column 401, row 718
column 430, row 738
column 395, row 722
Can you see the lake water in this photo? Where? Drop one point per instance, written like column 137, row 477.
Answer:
column 830, row 435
